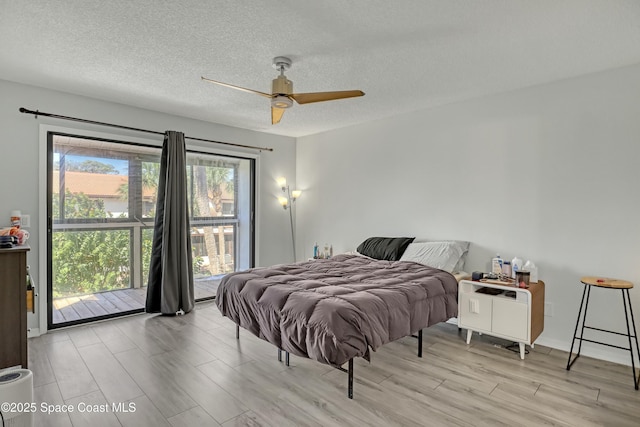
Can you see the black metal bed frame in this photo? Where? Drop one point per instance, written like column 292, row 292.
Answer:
column 349, row 371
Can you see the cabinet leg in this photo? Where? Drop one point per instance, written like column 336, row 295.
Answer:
column 521, row 345
column 469, row 332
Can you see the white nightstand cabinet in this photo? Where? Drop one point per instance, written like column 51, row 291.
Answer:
column 514, row 314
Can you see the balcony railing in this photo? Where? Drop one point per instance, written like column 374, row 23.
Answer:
column 102, row 268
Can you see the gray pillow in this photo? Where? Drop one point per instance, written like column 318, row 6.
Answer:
column 386, row 248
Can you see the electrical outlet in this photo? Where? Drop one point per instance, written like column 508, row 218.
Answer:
column 25, row 220
column 548, row 309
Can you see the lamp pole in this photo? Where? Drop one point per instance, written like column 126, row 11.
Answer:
column 293, row 238
column 287, row 203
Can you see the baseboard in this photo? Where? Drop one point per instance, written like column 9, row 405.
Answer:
column 619, row 356
column 623, row 358
column 33, row 332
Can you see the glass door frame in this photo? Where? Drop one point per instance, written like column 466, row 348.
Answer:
column 46, row 322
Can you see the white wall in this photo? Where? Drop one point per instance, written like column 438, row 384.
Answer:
column 19, row 163
column 549, row 173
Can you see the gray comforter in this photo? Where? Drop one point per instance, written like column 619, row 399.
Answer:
column 336, row 309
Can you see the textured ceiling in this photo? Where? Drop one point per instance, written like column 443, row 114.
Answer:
column 405, row 55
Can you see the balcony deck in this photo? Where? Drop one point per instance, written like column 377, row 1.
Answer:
column 72, row 309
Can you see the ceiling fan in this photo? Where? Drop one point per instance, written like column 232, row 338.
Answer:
column 282, row 95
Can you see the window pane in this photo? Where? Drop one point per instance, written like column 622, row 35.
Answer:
column 102, row 180
column 84, row 262
column 93, row 186
column 212, row 186
column 213, row 250
column 150, row 178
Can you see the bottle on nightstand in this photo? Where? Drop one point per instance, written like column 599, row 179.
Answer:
column 531, row 268
column 516, row 265
column 496, row 265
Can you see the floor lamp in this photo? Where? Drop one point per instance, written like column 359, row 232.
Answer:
column 287, row 202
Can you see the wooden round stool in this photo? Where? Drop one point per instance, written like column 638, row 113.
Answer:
column 603, row 282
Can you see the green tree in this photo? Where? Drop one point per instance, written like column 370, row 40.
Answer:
column 149, row 177
column 88, row 261
column 91, row 166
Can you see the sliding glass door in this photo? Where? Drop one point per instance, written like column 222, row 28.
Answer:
column 101, row 209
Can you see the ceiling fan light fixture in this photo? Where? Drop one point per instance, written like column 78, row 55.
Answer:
column 281, row 101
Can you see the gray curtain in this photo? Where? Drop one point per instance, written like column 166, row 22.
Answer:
column 170, row 287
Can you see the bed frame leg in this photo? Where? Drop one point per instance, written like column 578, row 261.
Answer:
column 279, row 355
column 420, row 343
column 237, row 332
column 350, row 384
column 286, row 358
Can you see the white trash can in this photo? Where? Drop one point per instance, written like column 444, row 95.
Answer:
column 16, row 389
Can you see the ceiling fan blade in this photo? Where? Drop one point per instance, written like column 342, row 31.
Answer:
column 267, row 95
column 276, row 115
column 306, row 98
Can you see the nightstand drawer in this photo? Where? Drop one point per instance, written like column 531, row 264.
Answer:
column 475, row 311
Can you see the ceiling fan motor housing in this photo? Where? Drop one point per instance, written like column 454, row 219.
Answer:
column 282, row 87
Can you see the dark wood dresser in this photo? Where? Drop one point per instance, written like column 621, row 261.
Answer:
column 13, row 307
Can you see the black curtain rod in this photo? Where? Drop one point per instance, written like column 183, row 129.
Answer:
column 75, row 119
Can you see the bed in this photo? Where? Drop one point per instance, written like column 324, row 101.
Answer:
column 334, row 310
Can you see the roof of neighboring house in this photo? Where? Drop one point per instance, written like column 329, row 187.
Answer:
column 104, row 186
column 97, row 184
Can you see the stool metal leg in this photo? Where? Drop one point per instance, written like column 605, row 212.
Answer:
column 635, row 335
column 584, row 319
column 237, row 332
column 575, row 332
column 279, row 355
column 420, row 343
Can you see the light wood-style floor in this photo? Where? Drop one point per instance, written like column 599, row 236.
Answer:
column 191, row 371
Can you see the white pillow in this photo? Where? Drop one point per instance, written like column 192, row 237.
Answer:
column 465, row 249
column 442, row 255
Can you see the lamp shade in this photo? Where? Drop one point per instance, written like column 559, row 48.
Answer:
column 282, row 181
column 283, row 201
column 295, row 194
